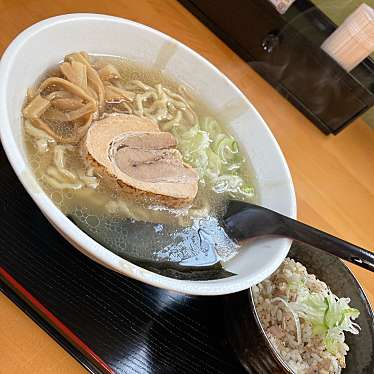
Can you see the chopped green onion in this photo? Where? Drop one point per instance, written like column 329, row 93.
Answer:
column 329, row 315
column 215, row 155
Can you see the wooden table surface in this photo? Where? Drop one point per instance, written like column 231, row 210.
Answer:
column 333, row 175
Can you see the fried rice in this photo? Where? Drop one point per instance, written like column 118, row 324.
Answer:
column 304, row 320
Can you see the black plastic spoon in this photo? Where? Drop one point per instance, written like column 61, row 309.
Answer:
column 244, row 221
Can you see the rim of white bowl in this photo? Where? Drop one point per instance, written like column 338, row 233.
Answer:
column 76, row 236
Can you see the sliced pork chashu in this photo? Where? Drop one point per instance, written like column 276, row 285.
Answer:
column 141, row 158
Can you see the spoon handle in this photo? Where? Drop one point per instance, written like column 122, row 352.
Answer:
column 329, row 243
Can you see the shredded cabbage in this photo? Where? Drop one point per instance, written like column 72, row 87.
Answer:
column 294, row 315
column 216, row 157
column 329, row 315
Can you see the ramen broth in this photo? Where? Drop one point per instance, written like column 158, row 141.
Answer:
column 136, row 228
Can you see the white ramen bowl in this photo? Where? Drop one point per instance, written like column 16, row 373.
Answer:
column 45, row 43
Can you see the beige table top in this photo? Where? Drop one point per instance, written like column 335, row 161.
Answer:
column 333, row 175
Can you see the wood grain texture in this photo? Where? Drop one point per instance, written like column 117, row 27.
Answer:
column 26, row 348
column 333, row 176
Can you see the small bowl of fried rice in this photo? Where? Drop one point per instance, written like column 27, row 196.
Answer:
column 311, row 316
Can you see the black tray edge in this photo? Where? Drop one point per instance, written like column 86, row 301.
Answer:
column 20, row 299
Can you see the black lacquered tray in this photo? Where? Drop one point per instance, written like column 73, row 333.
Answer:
column 108, row 322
